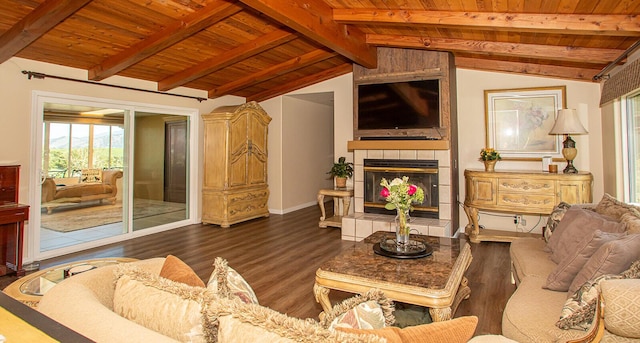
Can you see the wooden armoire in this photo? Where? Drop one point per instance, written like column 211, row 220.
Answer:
column 235, row 185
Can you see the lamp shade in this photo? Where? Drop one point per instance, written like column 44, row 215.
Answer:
column 567, row 122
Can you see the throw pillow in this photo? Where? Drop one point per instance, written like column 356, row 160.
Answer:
column 612, row 207
column 170, row 308
column 632, row 222
column 91, row 176
column 228, row 283
column 611, row 258
column 451, row 331
column 576, row 224
column 237, row 322
column 622, row 301
column 554, row 218
column 176, row 270
column 562, row 276
column 371, row 310
column 580, row 307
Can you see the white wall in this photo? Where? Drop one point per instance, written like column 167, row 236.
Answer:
column 342, row 89
column 307, row 150
column 583, row 96
column 16, row 96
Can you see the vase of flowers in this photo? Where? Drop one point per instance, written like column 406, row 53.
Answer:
column 490, row 157
column 400, row 195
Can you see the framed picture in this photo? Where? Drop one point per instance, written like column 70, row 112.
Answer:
column 518, row 122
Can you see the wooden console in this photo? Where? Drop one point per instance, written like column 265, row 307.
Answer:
column 519, row 192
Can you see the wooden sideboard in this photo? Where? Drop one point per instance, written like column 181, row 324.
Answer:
column 519, row 192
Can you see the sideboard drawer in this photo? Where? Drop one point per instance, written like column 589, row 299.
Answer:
column 528, row 186
column 527, row 203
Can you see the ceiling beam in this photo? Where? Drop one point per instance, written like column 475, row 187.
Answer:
column 563, row 53
column 313, row 19
column 594, row 24
column 35, row 24
column 213, row 64
column 571, row 73
column 170, row 35
column 296, row 63
column 302, row 82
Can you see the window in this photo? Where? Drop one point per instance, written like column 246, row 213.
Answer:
column 70, row 148
column 631, row 109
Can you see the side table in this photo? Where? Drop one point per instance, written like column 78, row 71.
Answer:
column 30, row 288
column 339, row 195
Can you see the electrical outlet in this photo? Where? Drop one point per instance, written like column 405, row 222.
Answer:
column 518, row 220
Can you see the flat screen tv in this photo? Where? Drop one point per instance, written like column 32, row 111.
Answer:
column 406, row 106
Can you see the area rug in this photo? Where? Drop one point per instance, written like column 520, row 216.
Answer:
column 83, row 218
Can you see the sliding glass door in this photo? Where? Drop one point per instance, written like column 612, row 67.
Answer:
column 108, row 172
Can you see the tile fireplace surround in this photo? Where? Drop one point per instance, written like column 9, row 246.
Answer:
column 358, row 225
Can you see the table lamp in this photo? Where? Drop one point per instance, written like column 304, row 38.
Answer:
column 568, row 123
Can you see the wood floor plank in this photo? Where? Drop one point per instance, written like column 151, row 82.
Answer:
column 278, row 256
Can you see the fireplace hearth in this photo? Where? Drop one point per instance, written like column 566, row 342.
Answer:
column 422, row 173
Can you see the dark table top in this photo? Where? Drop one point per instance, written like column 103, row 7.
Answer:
column 432, row 272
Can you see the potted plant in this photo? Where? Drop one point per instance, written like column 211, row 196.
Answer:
column 341, row 170
column 489, row 156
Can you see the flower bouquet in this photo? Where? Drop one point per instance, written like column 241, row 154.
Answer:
column 400, row 195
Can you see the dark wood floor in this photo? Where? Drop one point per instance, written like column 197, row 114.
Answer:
column 279, row 255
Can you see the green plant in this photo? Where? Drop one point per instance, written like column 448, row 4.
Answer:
column 489, row 154
column 341, row 168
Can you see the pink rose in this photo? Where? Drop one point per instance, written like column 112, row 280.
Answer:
column 384, row 192
column 412, row 190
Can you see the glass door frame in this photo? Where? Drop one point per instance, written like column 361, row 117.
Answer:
column 39, row 98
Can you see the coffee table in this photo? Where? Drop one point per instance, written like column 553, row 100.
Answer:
column 436, row 281
column 31, row 288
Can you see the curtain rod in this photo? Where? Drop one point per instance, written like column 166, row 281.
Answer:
column 36, row 75
column 626, row 53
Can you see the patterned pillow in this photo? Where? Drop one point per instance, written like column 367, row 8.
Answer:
column 91, row 176
column 579, row 309
column 554, row 218
column 228, row 283
column 622, row 301
column 612, row 207
column 371, row 310
column 631, row 221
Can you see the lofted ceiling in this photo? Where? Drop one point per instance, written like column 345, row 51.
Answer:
column 259, row 49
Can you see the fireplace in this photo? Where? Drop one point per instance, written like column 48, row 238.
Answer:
column 422, row 173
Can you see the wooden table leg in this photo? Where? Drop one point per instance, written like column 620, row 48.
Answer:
column 346, row 201
column 473, row 228
column 440, row 314
column 321, row 204
column 322, row 297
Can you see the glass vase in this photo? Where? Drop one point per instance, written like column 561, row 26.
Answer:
column 402, row 228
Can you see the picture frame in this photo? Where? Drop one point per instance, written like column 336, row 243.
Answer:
column 518, row 122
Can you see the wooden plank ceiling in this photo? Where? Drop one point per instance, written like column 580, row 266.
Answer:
column 259, row 49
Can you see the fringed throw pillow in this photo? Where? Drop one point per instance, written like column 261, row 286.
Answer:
column 372, row 310
column 554, row 218
column 579, row 309
column 228, row 283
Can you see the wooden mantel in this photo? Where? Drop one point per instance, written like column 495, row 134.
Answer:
column 398, row 145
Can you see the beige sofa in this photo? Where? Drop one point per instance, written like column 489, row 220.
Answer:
column 533, row 310
column 89, row 302
column 55, row 196
column 84, row 303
